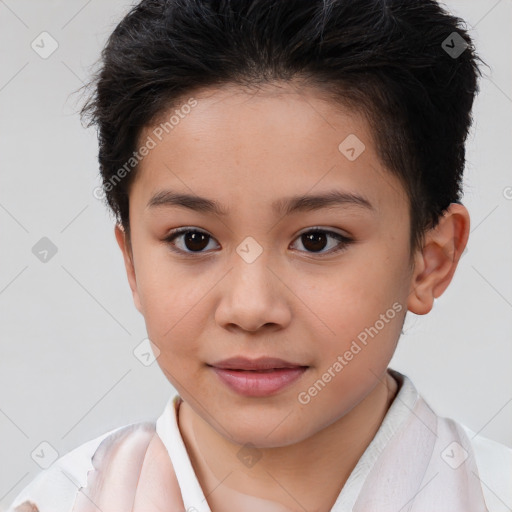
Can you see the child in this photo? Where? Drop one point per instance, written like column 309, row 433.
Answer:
column 314, row 152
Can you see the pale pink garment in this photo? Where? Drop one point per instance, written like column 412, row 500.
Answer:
column 132, row 472
column 413, row 464
column 409, row 474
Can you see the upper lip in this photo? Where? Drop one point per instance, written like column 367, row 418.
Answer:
column 261, row 363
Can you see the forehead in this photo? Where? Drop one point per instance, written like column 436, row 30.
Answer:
column 261, row 145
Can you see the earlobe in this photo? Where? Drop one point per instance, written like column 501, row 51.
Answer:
column 129, row 265
column 436, row 262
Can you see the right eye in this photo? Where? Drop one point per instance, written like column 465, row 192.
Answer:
column 194, row 241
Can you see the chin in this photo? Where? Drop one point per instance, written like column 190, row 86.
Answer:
column 259, row 432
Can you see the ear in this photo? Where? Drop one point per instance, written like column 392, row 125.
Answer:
column 436, row 262
column 125, row 247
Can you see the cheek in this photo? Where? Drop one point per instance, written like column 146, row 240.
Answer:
column 355, row 311
column 350, row 297
column 171, row 298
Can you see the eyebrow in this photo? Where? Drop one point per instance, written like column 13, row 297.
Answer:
column 284, row 206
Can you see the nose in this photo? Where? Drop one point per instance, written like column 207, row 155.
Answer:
column 253, row 295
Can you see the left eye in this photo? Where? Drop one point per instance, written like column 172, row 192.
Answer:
column 314, row 240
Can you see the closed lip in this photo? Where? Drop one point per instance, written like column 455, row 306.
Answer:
column 261, row 363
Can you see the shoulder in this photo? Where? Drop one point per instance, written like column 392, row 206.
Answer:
column 494, row 462
column 56, row 488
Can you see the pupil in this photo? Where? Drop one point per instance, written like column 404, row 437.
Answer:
column 313, row 237
column 194, row 237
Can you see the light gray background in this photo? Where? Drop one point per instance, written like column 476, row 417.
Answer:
column 68, row 327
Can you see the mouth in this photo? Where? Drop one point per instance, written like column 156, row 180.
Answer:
column 270, row 370
column 257, row 377
column 261, row 364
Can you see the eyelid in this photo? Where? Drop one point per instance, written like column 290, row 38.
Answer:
column 325, row 229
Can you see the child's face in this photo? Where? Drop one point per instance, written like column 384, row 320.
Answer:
column 339, row 314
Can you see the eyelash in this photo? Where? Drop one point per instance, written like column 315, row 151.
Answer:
column 345, row 241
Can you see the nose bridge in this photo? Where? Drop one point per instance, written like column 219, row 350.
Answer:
column 251, row 276
column 252, row 295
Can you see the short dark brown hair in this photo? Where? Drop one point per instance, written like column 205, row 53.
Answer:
column 408, row 65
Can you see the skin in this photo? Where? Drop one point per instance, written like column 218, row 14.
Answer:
column 302, row 304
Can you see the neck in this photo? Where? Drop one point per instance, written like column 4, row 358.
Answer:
column 311, row 471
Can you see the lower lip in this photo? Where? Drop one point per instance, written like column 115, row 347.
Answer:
column 253, row 383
